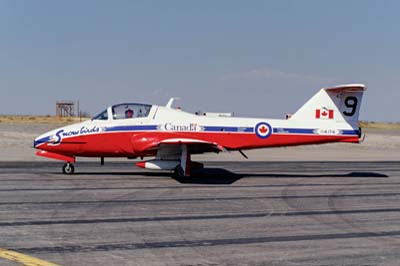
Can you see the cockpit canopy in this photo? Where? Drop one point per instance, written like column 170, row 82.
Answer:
column 125, row 111
column 130, row 110
column 102, row 116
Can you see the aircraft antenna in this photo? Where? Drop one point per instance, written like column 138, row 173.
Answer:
column 171, row 101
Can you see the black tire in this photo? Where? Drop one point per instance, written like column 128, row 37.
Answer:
column 68, row 169
column 178, row 172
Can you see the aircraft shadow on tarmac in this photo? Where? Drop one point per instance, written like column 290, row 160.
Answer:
column 206, row 176
column 220, row 176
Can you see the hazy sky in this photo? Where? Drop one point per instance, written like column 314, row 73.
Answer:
column 256, row 58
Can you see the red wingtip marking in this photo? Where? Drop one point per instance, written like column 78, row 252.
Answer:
column 141, row 164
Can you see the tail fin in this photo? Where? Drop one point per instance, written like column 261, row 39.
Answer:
column 340, row 104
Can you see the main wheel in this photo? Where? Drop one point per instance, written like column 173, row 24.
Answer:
column 68, row 169
column 178, row 172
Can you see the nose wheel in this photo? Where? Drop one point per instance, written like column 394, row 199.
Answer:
column 68, row 169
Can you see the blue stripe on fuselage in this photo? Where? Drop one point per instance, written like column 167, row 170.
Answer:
column 350, row 132
column 311, row 131
column 294, row 130
column 227, row 129
column 131, row 128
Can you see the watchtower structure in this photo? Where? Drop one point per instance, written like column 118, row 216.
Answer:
column 65, row 108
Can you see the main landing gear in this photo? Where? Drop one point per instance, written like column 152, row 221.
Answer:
column 186, row 165
column 68, row 169
column 183, row 168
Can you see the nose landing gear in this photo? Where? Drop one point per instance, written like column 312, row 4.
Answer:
column 68, row 169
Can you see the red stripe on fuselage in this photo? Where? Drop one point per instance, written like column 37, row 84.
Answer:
column 121, row 144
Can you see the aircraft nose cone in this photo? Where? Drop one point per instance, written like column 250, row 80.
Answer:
column 40, row 140
column 36, row 142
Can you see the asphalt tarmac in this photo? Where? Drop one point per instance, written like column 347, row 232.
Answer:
column 251, row 213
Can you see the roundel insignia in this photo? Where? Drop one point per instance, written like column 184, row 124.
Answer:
column 263, row 130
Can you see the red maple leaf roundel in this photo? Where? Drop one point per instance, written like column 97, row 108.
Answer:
column 263, row 129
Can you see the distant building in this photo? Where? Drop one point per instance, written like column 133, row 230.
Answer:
column 65, row 108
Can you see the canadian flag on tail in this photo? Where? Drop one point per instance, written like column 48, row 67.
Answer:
column 324, row 113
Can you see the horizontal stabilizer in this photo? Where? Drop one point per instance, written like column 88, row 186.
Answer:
column 347, row 88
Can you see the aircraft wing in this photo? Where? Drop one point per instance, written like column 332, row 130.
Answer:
column 171, row 148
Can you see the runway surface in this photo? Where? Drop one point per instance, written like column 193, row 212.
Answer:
column 252, row 213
